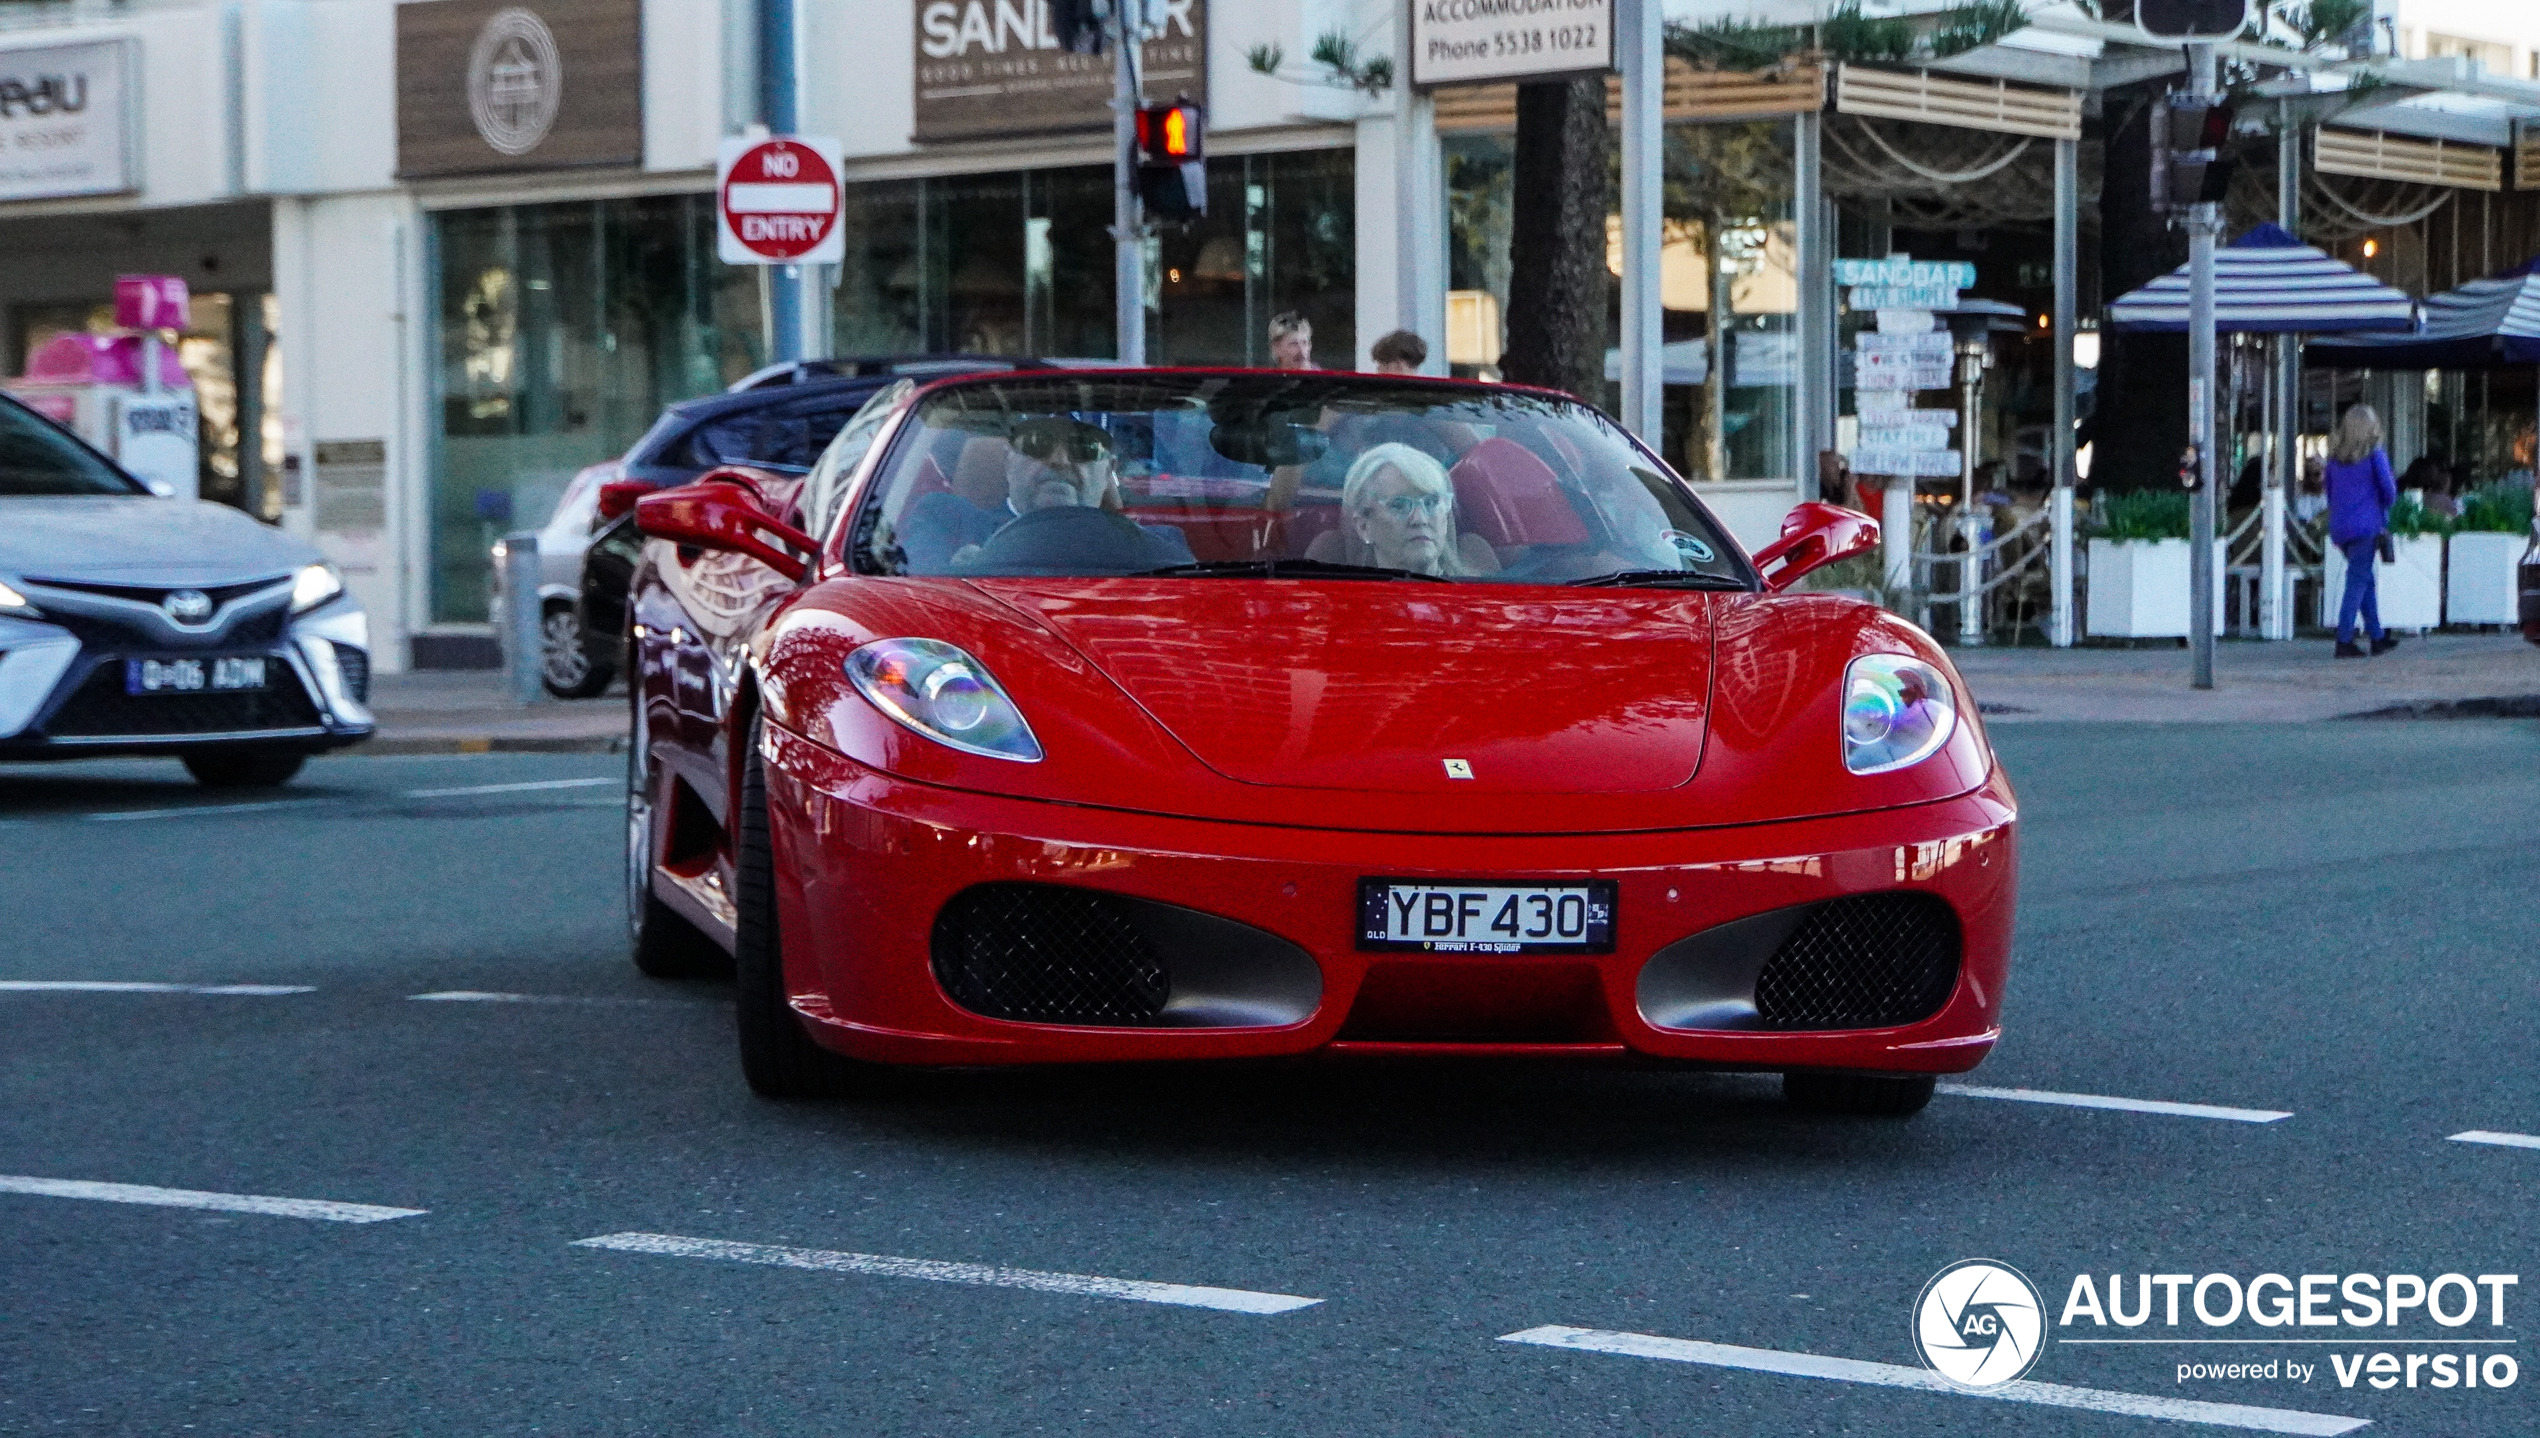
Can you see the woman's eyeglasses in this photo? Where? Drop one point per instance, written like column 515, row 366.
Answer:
column 1403, row 506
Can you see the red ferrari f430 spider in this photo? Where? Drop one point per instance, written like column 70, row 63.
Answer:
column 1111, row 715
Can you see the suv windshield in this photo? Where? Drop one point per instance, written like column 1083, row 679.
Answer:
column 1328, row 475
column 36, row 458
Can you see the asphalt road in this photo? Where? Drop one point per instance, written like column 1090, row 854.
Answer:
column 2330, row 921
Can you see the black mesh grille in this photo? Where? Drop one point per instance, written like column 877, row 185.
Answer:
column 354, row 665
column 100, row 708
column 1869, row 962
column 1049, row 955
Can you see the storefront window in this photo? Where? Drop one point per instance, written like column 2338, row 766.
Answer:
column 1020, row 262
column 564, row 329
column 1729, row 286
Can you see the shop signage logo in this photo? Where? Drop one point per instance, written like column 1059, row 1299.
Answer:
column 515, row 81
column 63, row 114
column 1979, row 1323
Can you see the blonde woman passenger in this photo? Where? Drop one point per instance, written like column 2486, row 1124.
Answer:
column 1398, row 512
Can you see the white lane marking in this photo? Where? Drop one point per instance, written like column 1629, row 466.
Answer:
column 2130, row 1105
column 201, row 809
column 511, row 788
column 1889, row 1375
column 480, row 996
column 2502, row 1140
column 103, row 986
column 321, row 1208
column 1231, row 1300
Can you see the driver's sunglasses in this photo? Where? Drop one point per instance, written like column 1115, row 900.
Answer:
column 1402, row 506
column 1065, row 441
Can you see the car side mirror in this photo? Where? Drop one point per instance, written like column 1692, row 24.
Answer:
column 1813, row 536
column 721, row 515
column 619, row 495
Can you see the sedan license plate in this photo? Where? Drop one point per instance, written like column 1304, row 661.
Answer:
column 1485, row 917
column 220, row 674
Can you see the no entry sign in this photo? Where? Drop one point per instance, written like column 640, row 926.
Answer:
column 777, row 198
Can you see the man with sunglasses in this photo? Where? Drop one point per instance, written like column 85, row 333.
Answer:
column 1062, row 507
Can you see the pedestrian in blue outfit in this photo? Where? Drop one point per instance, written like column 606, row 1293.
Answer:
column 2360, row 493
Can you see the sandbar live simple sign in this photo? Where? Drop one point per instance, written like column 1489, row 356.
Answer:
column 1464, row 42
column 990, row 68
column 65, row 120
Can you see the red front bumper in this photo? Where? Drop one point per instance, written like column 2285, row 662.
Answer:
column 865, row 862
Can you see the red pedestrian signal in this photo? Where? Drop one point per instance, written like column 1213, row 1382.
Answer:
column 1172, row 160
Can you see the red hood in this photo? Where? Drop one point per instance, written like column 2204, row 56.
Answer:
column 1373, row 686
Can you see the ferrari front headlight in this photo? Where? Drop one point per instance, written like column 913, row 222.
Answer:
column 941, row 692
column 314, row 586
column 1897, row 711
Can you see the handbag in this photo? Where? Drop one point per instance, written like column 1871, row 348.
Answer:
column 2389, row 552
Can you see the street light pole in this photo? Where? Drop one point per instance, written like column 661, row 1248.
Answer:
column 2203, row 221
column 1127, row 235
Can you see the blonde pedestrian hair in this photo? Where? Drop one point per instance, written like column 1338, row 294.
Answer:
column 2358, row 435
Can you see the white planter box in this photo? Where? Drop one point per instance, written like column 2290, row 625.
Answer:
column 2410, row 592
column 2139, row 588
column 2478, row 585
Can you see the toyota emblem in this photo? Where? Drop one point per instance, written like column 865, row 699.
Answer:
column 187, row 606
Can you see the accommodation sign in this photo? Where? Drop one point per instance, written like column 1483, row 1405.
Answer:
column 1467, row 42
column 65, row 120
column 991, row 68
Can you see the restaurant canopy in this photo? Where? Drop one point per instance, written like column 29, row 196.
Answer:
column 2482, row 325
column 2267, row 282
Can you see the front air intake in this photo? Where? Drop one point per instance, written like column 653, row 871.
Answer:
column 1039, row 953
column 1868, row 962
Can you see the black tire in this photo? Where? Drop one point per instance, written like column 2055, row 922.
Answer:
column 777, row 1058
column 565, row 663
column 1865, row 1095
column 243, row 768
column 663, row 944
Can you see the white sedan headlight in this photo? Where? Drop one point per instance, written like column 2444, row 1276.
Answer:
column 314, row 586
column 1896, row 711
column 12, row 602
column 941, row 692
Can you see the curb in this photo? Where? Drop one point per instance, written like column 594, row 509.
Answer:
column 2510, row 706
column 494, row 744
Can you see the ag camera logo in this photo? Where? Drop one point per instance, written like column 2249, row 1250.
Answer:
column 1979, row 1323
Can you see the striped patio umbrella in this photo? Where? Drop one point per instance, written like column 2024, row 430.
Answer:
column 2482, row 325
column 2267, row 282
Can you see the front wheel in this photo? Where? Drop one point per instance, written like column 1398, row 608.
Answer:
column 243, row 769
column 1868, row 1095
column 565, row 665
column 777, row 1058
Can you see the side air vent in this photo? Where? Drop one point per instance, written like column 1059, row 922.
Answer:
column 1869, row 962
column 1053, row 954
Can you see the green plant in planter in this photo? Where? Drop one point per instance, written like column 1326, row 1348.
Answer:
column 2498, row 508
column 2410, row 519
column 2145, row 514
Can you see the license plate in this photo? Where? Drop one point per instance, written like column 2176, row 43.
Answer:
column 1445, row 917
column 193, row 676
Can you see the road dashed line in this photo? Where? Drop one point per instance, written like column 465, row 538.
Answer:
column 2501, row 1140
column 481, row 996
column 317, row 1208
column 980, row 1275
column 1890, row 1375
column 105, row 986
column 2128, row 1105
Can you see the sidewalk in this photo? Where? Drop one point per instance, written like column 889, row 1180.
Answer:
column 2288, row 682
column 470, row 712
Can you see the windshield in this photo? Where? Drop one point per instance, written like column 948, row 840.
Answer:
column 1281, row 473
column 36, row 458
column 1327, row 475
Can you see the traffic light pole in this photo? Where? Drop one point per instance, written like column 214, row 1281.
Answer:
column 2204, row 220
column 1128, row 239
